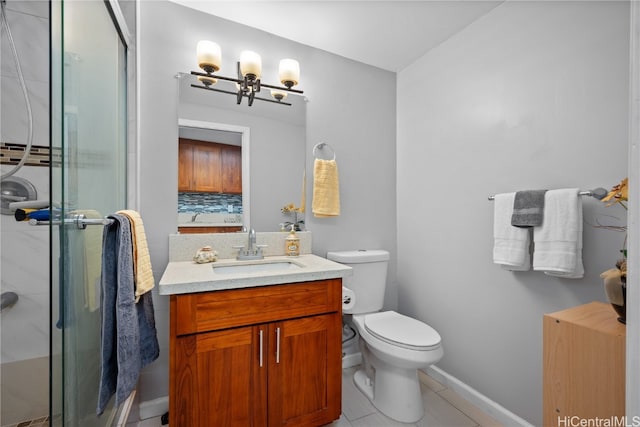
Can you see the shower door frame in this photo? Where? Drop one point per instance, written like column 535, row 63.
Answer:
column 59, row 121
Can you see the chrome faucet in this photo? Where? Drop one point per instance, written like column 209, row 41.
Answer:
column 252, row 250
column 251, row 243
column 194, row 216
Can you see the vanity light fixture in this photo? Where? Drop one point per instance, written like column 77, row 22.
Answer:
column 249, row 79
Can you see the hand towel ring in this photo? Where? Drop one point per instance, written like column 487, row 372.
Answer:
column 320, row 146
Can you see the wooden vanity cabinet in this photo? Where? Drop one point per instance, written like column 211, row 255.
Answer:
column 264, row 356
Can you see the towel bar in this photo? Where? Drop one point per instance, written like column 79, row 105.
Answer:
column 597, row 193
column 320, row 146
column 80, row 221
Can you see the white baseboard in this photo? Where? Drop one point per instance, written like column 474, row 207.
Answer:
column 153, row 408
column 500, row 413
column 157, row 407
column 124, row 410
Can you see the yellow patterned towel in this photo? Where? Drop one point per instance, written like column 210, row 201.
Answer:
column 326, row 191
column 142, row 272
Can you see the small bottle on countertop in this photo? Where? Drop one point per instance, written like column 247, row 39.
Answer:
column 292, row 243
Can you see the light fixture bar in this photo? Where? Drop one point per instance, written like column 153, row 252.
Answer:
column 235, row 93
column 240, row 81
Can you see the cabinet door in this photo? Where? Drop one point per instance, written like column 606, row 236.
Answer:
column 584, row 364
column 207, row 171
column 218, row 379
column 231, row 169
column 305, row 377
column 185, row 166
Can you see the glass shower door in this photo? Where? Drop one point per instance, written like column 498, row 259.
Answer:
column 88, row 177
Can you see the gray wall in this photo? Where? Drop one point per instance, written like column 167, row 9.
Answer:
column 351, row 106
column 533, row 95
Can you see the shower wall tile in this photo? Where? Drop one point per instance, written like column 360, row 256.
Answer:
column 25, row 326
column 12, row 154
column 39, row 8
column 31, row 36
column 21, row 398
column 13, row 113
column 24, row 256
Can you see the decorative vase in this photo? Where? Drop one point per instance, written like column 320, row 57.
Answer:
column 616, row 290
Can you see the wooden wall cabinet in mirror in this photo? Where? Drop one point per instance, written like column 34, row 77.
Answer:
column 209, row 167
column 232, row 169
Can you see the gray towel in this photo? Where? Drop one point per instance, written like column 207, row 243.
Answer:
column 528, row 208
column 129, row 339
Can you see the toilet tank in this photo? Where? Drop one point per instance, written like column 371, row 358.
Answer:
column 369, row 278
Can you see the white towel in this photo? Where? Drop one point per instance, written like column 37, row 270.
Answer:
column 558, row 241
column 510, row 244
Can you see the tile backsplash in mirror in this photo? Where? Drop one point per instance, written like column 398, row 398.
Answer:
column 209, row 203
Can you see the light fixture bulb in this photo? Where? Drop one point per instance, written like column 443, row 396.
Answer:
column 250, row 64
column 289, row 72
column 278, row 94
column 207, row 81
column 209, row 56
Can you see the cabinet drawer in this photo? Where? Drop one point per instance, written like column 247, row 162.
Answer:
column 208, row 311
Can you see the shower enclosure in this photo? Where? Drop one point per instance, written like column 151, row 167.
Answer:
column 73, row 57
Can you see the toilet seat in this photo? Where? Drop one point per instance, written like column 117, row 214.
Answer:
column 402, row 331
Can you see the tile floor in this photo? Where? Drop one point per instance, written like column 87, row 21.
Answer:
column 444, row 408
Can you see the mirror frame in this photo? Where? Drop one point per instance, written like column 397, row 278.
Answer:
column 246, row 136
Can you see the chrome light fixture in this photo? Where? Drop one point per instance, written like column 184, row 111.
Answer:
column 249, row 69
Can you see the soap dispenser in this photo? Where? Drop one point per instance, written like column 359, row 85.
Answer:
column 292, row 243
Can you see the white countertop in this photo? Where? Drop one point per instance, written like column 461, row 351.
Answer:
column 183, row 277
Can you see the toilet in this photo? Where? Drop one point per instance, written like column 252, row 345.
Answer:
column 393, row 346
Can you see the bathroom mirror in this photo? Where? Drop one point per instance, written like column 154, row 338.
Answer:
column 271, row 138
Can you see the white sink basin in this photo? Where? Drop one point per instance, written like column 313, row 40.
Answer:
column 255, row 267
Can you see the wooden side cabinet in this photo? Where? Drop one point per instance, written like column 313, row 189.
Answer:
column 583, row 364
column 266, row 356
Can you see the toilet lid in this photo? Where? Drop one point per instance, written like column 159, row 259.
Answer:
column 402, row 331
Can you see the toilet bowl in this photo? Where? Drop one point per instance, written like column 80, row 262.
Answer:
column 394, row 348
